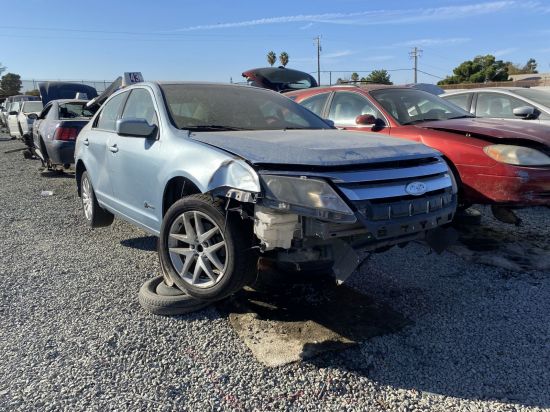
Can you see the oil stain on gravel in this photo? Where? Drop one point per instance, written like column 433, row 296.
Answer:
column 286, row 322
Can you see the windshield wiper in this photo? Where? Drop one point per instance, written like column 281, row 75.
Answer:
column 462, row 117
column 215, row 127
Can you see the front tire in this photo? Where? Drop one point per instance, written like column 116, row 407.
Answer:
column 95, row 215
column 204, row 254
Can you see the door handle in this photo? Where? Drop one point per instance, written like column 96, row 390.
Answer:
column 86, row 142
column 113, row 148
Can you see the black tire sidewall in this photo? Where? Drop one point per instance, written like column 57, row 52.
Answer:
column 167, row 305
column 100, row 217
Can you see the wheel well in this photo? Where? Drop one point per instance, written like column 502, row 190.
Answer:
column 80, row 168
column 175, row 189
column 454, row 170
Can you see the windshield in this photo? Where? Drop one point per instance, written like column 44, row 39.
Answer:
column 210, row 107
column 29, row 107
column 72, row 110
column 409, row 106
column 539, row 96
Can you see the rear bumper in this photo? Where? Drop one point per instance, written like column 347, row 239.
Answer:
column 61, row 152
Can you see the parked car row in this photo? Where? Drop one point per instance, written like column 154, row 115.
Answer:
column 226, row 174
column 13, row 114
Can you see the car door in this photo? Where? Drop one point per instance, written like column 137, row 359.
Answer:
column 135, row 163
column 37, row 126
column 345, row 107
column 12, row 119
column 96, row 149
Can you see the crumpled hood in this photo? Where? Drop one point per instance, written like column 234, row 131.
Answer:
column 327, row 147
column 504, row 129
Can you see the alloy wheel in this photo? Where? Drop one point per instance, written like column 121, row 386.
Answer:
column 197, row 249
column 87, row 198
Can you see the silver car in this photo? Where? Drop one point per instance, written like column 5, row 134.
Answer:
column 224, row 174
column 516, row 103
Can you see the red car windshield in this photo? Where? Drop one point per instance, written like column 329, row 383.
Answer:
column 409, row 106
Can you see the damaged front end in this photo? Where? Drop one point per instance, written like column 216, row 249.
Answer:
column 334, row 214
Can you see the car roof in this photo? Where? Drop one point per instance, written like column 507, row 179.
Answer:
column 365, row 87
column 487, row 89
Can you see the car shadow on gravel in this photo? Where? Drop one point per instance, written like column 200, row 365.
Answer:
column 148, row 243
column 452, row 372
column 57, row 174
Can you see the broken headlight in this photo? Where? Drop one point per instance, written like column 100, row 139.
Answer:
column 516, row 155
column 310, row 197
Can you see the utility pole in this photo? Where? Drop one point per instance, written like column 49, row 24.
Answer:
column 318, row 41
column 415, row 54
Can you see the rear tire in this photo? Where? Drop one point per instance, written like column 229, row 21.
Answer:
column 203, row 254
column 160, row 299
column 94, row 214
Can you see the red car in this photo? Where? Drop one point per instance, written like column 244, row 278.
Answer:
column 496, row 162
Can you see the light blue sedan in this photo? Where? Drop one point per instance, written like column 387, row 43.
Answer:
column 225, row 173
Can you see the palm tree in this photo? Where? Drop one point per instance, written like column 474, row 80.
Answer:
column 283, row 58
column 271, row 58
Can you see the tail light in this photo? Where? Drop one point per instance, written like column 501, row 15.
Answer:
column 66, row 133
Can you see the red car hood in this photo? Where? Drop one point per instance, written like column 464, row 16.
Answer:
column 499, row 129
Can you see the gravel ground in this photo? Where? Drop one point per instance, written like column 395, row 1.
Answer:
column 73, row 337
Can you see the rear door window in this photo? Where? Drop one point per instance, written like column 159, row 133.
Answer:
column 461, row 100
column 316, row 103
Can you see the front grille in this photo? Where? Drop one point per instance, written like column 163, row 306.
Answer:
column 376, row 184
column 380, row 196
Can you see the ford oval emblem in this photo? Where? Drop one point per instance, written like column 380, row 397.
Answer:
column 416, row 188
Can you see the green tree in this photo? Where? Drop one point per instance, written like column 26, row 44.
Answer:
column 354, row 77
column 378, row 76
column 479, row 70
column 271, row 58
column 10, row 84
column 283, row 58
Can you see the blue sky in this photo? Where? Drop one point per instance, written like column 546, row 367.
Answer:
column 217, row 40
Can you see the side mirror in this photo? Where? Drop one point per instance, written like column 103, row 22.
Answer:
column 365, row 120
column 135, row 128
column 526, row 112
column 32, row 116
column 12, row 113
